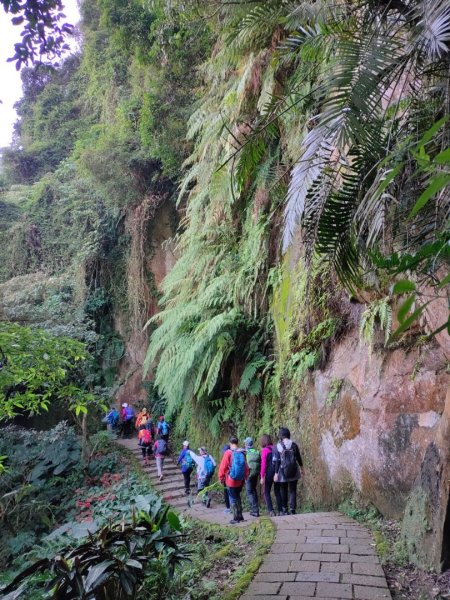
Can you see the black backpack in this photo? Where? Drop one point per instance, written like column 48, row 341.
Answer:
column 289, row 462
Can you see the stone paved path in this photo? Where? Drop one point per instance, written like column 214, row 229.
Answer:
column 320, row 556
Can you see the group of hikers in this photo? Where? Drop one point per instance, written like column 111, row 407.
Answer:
column 278, row 466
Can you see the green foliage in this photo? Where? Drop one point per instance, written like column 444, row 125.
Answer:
column 36, row 369
column 377, row 311
column 114, row 561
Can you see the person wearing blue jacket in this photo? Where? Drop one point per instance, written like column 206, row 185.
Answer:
column 187, row 466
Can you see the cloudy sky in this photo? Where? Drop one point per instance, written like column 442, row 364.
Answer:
column 10, row 84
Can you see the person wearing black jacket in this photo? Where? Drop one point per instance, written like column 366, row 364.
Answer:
column 288, row 467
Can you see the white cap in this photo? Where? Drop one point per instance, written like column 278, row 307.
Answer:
column 185, row 443
column 124, row 404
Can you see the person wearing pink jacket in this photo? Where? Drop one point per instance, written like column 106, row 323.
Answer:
column 267, row 472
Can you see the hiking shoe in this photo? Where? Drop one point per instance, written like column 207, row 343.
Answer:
column 272, row 514
column 208, row 503
column 254, row 514
column 292, row 511
column 187, row 492
column 227, row 510
column 234, row 522
column 161, row 477
column 283, row 513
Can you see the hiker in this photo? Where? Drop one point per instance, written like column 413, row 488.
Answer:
column 127, row 419
column 112, row 419
column 233, row 471
column 163, row 428
column 145, row 442
column 288, row 467
column 142, row 418
column 187, row 465
column 226, row 495
column 253, row 458
column 206, row 465
column 160, row 451
column 267, row 473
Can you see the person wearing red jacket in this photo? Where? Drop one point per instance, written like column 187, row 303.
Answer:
column 233, row 471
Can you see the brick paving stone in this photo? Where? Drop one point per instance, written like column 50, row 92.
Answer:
column 305, row 565
column 329, row 532
column 340, row 548
column 334, row 590
column 321, row 539
column 304, row 598
column 275, row 577
column 335, row 567
column 328, row 577
column 265, row 597
column 282, row 557
column 371, row 593
column 353, row 558
column 259, row 588
column 275, row 567
column 354, row 533
column 367, row 569
column 322, row 556
column 364, row 580
column 362, row 549
column 313, row 532
column 299, row 588
column 280, row 547
column 308, row 547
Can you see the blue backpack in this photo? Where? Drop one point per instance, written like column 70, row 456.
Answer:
column 209, row 466
column 128, row 413
column 186, row 462
column 237, row 471
column 164, row 428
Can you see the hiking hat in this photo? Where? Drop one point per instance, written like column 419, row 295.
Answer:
column 248, row 442
column 185, row 443
column 125, row 405
column 202, row 450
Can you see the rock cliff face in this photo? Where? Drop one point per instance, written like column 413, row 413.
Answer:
column 159, row 258
column 379, row 423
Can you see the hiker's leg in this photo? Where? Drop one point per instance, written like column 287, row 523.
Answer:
column 292, row 495
column 250, row 486
column 226, row 497
column 284, row 495
column 232, row 494
column 278, row 498
column 268, row 482
column 159, row 466
column 187, row 481
column 206, row 498
column 239, row 503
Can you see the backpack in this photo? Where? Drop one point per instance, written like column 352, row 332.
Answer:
column 164, row 428
column 209, row 466
column 145, row 436
column 161, row 446
column 288, row 462
column 254, row 461
column 187, row 462
column 128, row 413
column 237, row 470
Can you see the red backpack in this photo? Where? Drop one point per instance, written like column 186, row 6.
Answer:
column 145, row 436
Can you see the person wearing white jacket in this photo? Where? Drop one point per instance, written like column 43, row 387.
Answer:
column 205, row 470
